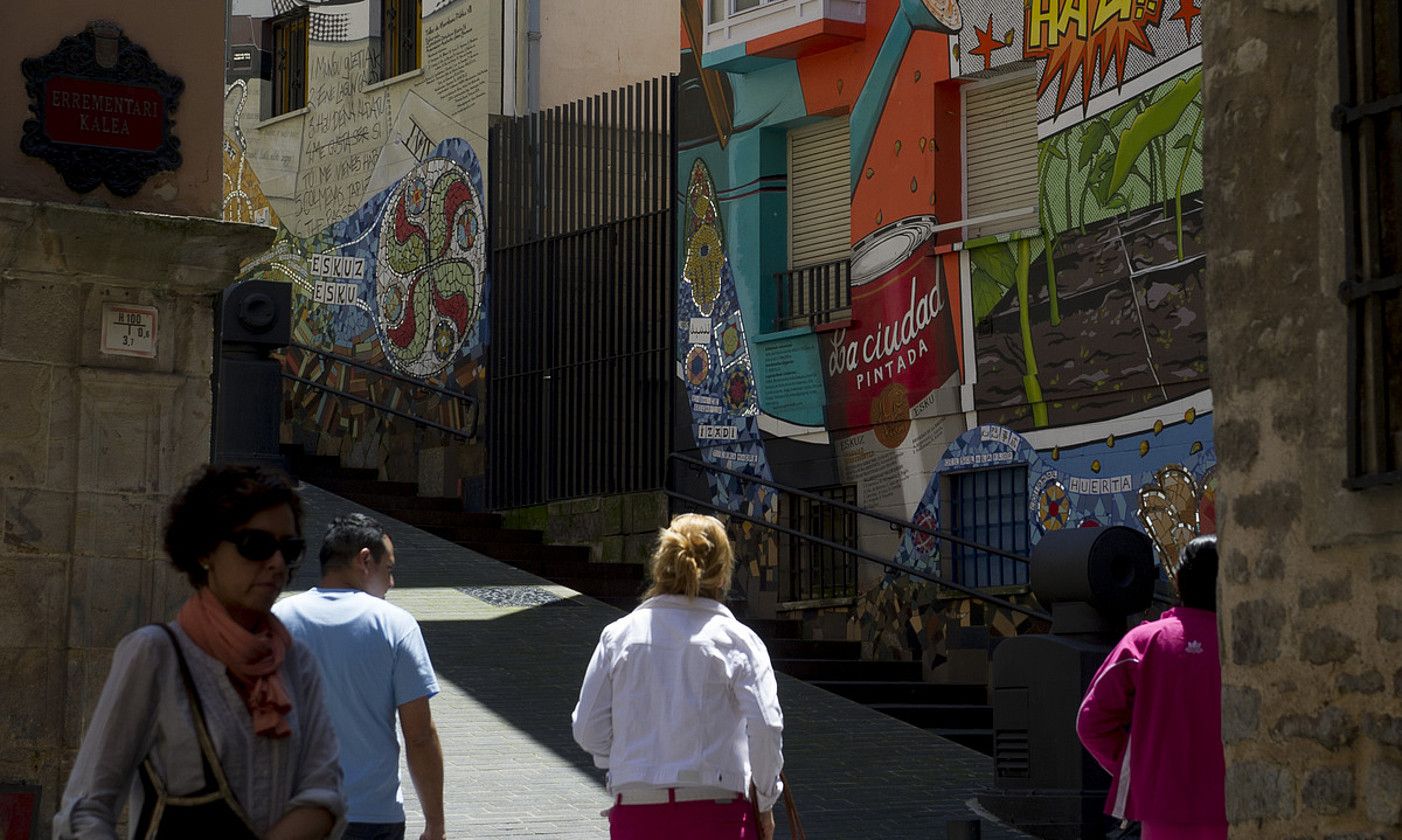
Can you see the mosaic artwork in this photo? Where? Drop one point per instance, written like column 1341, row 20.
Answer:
column 398, row 284
column 723, row 396
column 515, row 596
column 378, row 198
column 429, row 267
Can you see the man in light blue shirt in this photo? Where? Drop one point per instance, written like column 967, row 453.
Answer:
column 374, row 664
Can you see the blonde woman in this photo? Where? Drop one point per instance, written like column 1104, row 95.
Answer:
column 680, row 705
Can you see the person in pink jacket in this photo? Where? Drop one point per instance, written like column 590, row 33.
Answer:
column 1152, row 716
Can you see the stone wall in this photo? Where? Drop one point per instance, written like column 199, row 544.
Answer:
column 1312, row 573
column 92, row 449
column 618, row 529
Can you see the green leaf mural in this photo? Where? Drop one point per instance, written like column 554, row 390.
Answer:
column 994, row 272
column 1157, row 120
column 1135, row 150
column 1091, row 141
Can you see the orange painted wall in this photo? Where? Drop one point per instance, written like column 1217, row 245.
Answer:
column 913, row 167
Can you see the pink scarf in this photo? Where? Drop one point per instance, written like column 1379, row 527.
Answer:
column 252, row 658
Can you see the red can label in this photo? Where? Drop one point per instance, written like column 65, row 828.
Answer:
column 899, row 348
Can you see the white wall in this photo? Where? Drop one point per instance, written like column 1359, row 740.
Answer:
column 588, row 46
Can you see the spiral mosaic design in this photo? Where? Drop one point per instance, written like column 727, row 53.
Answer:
column 428, row 274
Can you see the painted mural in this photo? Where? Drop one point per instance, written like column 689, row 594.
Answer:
column 377, row 190
column 719, row 376
column 1071, row 353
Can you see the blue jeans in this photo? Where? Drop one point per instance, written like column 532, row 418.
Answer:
column 374, row 831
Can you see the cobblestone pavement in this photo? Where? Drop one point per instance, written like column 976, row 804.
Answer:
column 510, row 675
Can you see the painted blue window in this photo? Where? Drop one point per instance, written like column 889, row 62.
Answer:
column 989, row 507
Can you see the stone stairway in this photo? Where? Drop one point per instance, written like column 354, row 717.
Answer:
column 617, row 584
column 959, row 712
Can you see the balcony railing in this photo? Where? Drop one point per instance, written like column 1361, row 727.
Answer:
column 781, row 28
column 813, row 294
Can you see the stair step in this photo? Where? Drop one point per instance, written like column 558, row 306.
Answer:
column 511, row 552
column 884, row 691
column 551, row 569
column 309, row 467
column 598, row 587
column 776, row 628
column 430, row 519
column 621, row 602
column 931, row 716
column 386, row 502
column 847, row 669
column 980, row 740
column 460, row 518
column 814, row 649
column 465, row 533
column 340, row 485
column 322, row 473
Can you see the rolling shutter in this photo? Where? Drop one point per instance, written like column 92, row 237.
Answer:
column 1000, row 152
column 820, row 198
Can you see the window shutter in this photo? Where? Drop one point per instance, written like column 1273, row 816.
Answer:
column 820, row 198
column 1000, row 152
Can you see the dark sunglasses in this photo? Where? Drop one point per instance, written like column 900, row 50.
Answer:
column 258, row 546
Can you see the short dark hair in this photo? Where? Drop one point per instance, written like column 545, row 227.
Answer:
column 347, row 535
column 214, row 504
column 1197, row 574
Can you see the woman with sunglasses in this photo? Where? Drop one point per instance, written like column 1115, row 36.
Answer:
column 213, row 726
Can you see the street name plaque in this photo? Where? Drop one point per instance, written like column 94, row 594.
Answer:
column 102, row 111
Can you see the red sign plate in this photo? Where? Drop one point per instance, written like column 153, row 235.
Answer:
column 90, row 113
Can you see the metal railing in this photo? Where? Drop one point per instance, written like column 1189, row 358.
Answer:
column 815, row 572
column 467, row 433
column 858, row 553
column 813, row 294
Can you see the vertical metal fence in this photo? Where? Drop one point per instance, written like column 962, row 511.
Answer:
column 582, row 293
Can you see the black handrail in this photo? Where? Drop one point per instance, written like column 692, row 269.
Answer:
column 470, row 433
column 388, row 374
column 860, row 511
column 422, row 421
column 866, row 555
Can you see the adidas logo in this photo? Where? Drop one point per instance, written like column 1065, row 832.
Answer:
column 1194, row 647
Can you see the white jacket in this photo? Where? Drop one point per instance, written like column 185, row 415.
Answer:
column 678, row 694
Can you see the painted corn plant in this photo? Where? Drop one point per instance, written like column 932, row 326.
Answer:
column 1144, row 151
column 996, row 269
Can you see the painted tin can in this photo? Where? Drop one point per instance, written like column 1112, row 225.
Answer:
column 900, row 345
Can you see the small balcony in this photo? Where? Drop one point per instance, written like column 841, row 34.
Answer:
column 744, row 35
column 813, row 295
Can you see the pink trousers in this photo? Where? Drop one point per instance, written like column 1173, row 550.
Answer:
column 703, row 820
column 1182, row 831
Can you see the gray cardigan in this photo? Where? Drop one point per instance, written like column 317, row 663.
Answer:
column 143, row 711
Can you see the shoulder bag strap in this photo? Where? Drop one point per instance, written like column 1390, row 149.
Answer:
column 795, row 824
column 211, row 758
column 796, row 831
